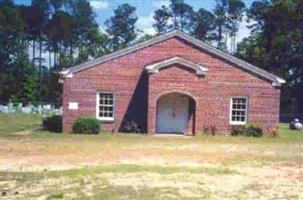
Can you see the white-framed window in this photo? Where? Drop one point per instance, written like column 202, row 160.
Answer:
column 238, row 110
column 105, row 106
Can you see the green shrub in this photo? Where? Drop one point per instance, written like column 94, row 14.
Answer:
column 249, row 131
column 53, row 123
column 253, row 131
column 86, row 125
column 237, row 130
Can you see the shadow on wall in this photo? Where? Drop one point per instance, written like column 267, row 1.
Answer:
column 135, row 118
column 288, row 117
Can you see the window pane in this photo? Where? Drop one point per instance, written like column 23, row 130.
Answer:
column 106, row 105
column 242, row 113
column 238, row 110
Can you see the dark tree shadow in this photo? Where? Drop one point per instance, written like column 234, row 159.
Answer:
column 135, row 118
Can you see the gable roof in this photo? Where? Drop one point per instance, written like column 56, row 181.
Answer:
column 154, row 68
column 276, row 81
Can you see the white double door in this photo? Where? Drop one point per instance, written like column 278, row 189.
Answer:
column 172, row 113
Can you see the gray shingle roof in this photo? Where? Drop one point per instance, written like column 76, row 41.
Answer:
column 277, row 81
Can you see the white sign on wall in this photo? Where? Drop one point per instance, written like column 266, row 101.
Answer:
column 73, row 105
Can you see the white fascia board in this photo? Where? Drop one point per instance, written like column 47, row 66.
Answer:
column 66, row 74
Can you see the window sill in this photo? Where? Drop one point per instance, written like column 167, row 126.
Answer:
column 106, row 121
column 237, row 123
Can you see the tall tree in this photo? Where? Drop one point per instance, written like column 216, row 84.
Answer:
column 121, row 26
column 40, row 16
column 84, row 23
column 235, row 14
column 65, row 28
column 256, row 14
column 161, row 17
column 204, row 25
column 179, row 16
column 228, row 14
column 182, row 14
column 220, row 12
column 278, row 45
column 60, row 29
column 17, row 72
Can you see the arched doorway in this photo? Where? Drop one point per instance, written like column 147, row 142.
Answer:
column 175, row 113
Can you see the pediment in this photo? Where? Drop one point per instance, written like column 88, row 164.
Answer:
column 155, row 67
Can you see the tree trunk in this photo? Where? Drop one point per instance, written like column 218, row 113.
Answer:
column 220, row 34
column 55, row 57
column 71, row 48
column 34, row 49
column 50, row 58
column 40, row 57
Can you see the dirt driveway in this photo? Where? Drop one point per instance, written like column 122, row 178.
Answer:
column 147, row 167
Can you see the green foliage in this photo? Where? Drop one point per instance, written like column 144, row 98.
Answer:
column 228, row 15
column 122, row 26
column 204, row 24
column 179, row 13
column 66, row 30
column 161, row 17
column 277, row 45
column 237, row 130
column 253, row 131
column 53, row 123
column 20, row 80
column 86, row 125
column 31, row 84
column 144, row 38
column 182, row 14
column 69, row 33
column 249, row 131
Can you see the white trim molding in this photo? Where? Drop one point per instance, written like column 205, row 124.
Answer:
column 66, row 73
column 231, row 122
column 155, row 67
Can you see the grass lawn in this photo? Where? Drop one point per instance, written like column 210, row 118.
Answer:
column 13, row 122
column 38, row 164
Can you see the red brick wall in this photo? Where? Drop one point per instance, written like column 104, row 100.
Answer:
column 136, row 92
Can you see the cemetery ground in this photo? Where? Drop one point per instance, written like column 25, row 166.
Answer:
column 36, row 164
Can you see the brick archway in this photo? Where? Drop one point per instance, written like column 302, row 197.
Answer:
column 172, row 112
column 175, row 113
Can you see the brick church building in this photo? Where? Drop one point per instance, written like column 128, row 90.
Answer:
column 172, row 83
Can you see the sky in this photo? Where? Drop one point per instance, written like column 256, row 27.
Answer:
column 145, row 9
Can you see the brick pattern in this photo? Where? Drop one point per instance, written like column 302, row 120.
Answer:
column 136, row 92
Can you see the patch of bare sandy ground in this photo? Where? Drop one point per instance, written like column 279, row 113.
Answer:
column 189, row 171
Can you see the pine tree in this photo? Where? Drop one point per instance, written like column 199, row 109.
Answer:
column 161, row 17
column 121, row 26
